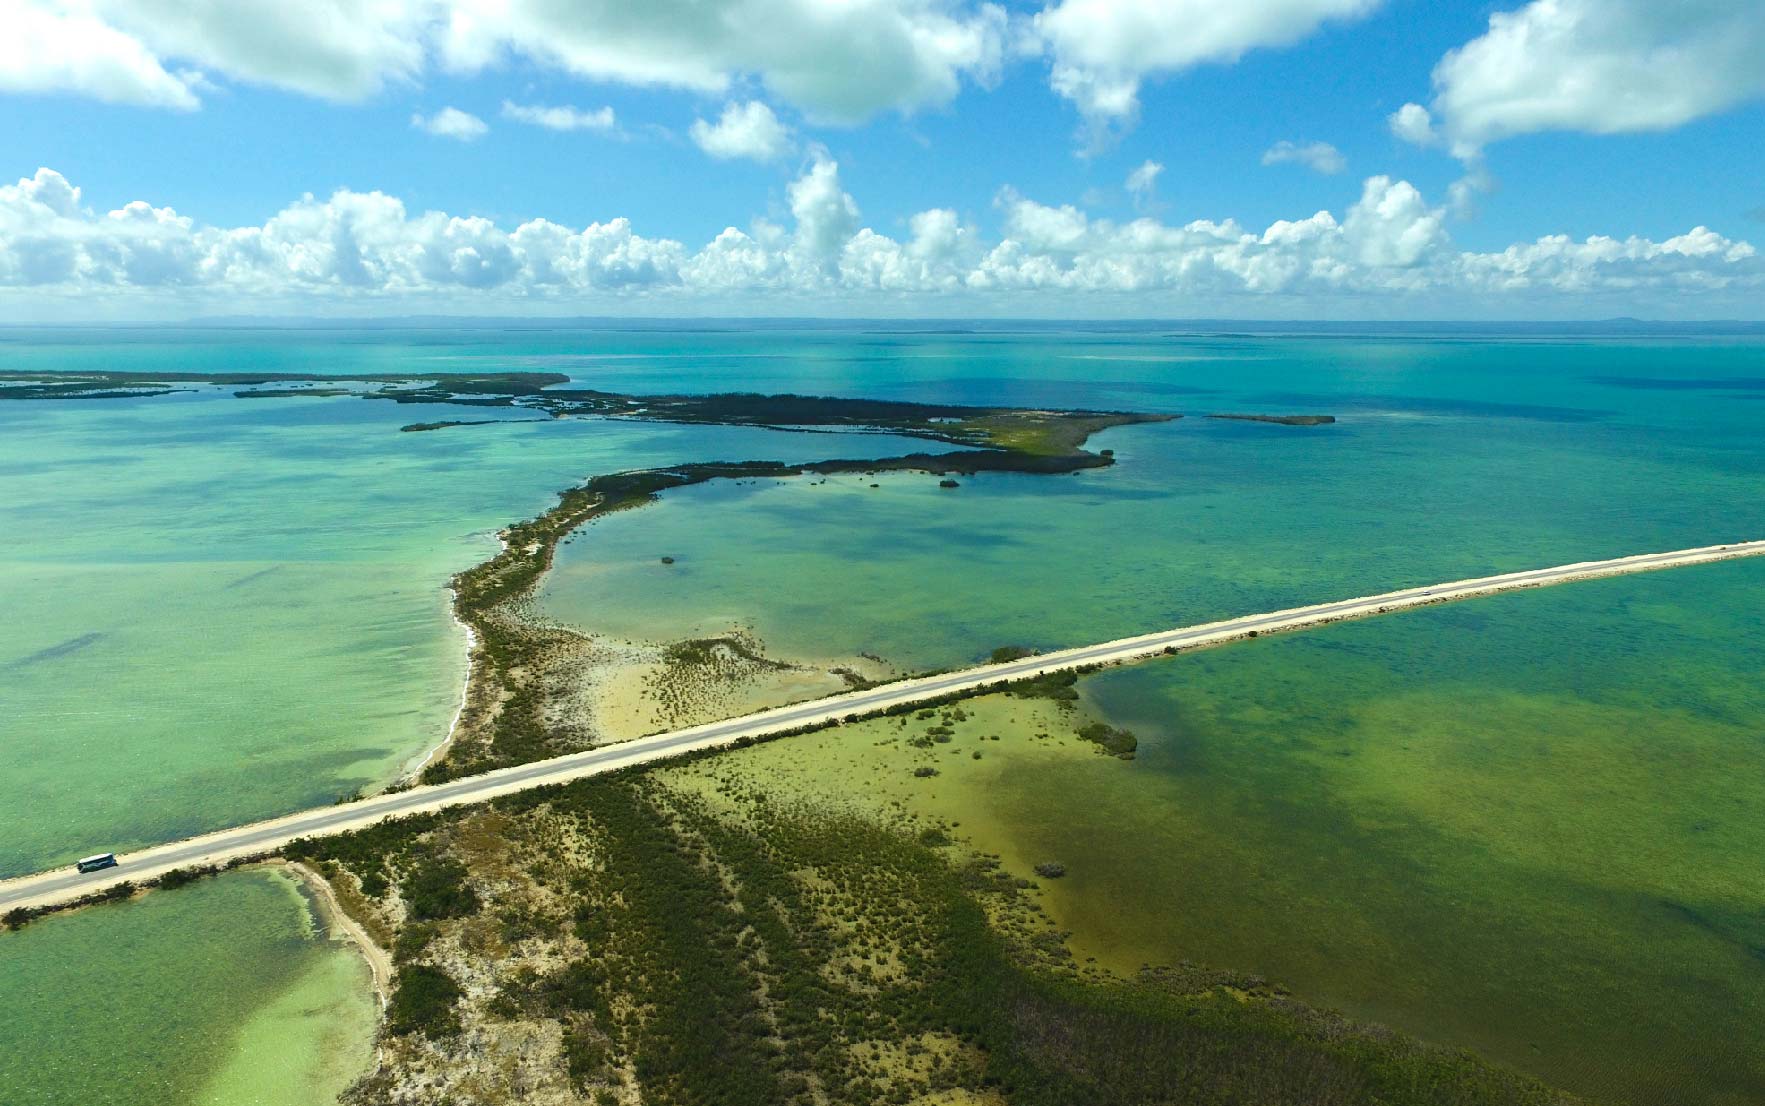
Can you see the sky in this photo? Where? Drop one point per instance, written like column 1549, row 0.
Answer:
column 1364, row 159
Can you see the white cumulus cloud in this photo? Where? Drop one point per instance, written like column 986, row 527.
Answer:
column 842, row 62
column 452, row 123
column 749, row 130
column 1320, row 156
column 839, row 61
column 1389, row 248
column 1414, row 124
column 560, row 118
column 336, row 49
column 1601, row 66
column 826, row 216
column 67, row 48
column 1102, row 50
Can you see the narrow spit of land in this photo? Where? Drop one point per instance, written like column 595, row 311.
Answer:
column 49, row 889
column 518, row 702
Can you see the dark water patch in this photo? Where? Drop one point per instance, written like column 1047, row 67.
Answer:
column 67, row 648
column 1427, row 405
column 1281, row 420
column 1682, row 384
column 33, row 467
column 933, row 331
column 1059, row 393
column 1752, row 945
column 252, row 577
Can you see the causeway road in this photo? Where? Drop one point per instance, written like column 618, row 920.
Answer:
column 63, row 885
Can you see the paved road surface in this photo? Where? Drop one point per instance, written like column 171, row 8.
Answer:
column 63, row 884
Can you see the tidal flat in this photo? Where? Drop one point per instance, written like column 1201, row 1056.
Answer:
column 1524, row 825
column 218, row 611
column 527, row 674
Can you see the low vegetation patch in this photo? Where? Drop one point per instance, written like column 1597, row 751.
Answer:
column 1059, row 686
column 671, row 944
column 424, row 1002
column 1110, row 739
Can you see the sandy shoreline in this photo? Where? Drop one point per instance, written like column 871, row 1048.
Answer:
column 413, row 770
column 622, row 689
column 342, row 926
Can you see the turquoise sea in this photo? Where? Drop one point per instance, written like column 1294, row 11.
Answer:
column 1452, row 458
column 221, row 609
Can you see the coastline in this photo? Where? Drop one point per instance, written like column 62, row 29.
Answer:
column 414, row 768
column 523, row 673
column 55, row 890
column 341, row 926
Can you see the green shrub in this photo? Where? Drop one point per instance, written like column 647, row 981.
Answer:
column 587, row 1056
column 1116, row 742
column 437, row 888
column 423, row 1002
column 1059, row 686
column 412, row 940
column 178, row 877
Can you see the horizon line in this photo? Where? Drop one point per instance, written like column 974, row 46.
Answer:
column 945, row 322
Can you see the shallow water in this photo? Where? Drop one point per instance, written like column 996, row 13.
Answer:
column 222, row 993
column 221, row 609
column 1451, row 459
column 218, row 610
column 1528, row 825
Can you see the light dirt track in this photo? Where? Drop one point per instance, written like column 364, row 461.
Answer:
column 64, row 885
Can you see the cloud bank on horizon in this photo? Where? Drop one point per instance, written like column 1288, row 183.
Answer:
column 775, row 80
column 368, row 246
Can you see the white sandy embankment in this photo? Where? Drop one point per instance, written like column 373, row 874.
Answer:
column 340, row 924
column 453, row 727
column 410, row 774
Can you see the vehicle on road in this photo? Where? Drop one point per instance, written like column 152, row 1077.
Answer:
column 96, row 863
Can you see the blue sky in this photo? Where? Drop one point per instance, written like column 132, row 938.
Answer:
column 1019, row 126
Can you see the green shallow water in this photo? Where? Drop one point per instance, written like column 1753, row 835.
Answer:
column 221, row 994
column 1530, row 825
column 1527, row 826
column 218, row 610
column 222, row 609
column 1198, row 520
column 1452, row 458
